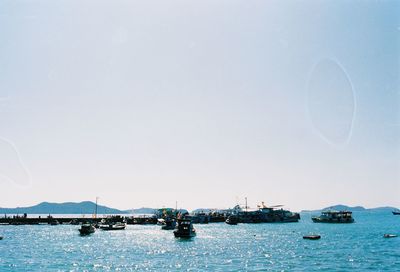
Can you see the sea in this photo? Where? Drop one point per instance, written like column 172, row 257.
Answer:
column 217, row 247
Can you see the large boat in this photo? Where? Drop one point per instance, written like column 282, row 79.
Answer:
column 331, row 216
column 113, row 226
column 199, row 218
column 185, row 229
column 87, row 229
column 264, row 214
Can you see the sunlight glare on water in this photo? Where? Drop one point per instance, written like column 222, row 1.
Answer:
column 217, row 247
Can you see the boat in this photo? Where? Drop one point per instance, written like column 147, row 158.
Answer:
column 1, row 237
column 232, row 220
column 113, row 226
column 264, row 214
column 331, row 216
column 396, row 212
column 199, row 218
column 87, row 229
column 74, row 222
column 54, row 223
column 312, row 237
column 185, row 229
column 389, row 235
column 168, row 224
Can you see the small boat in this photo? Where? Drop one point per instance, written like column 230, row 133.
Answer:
column 168, row 224
column 87, row 229
column 396, row 212
column 184, row 229
column 74, row 222
column 331, row 216
column 312, row 237
column 389, row 235
column 232, row 220
column 114, row 226
column 161, row 222
column 1, row 237
column 54, row 223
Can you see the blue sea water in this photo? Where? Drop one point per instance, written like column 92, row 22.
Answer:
column 217, row 247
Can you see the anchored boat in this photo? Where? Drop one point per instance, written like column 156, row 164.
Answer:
column 185, row 229
column 312, row 237
column 114, row 226
column 87, row 229
column 168, row 224
column 264, row 214
column 232, row 220
column 332, row 216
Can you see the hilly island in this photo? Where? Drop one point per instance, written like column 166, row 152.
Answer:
column 88, row 207
column 85, row 207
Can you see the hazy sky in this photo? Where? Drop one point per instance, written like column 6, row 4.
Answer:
column 143, row 103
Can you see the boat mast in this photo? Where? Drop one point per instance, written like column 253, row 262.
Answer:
column 95, row 212
column 246, row 203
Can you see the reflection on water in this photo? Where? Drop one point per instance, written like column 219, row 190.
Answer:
column 218, row 246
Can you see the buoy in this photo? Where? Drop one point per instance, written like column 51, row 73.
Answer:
column 389, row 235
column 312, row 237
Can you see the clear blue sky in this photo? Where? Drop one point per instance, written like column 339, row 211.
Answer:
column 143, row 103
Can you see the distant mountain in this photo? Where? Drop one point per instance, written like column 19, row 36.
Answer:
column 85, row 207
column 341, row 207
column 384, row 209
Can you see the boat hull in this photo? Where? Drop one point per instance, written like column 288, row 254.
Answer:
column 184, row 235
column 112, row 227
column 333, row 221
column 312, row 237
column 86, row 230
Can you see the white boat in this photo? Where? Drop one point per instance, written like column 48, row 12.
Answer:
column 113, row 226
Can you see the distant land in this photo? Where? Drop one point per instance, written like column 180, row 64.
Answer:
column 341, row 207
column 88, row 207
column 85, row 207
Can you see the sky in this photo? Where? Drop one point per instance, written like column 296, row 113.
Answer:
column 144, row 103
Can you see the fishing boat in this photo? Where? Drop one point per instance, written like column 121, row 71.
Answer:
column 331, row 216
column 264, row 214
column 113, row 226
column 74, row 222
column 232, row 220
column 54, row 223
column 390, row 235
column 168, row 224
column 396, row 212
column 185, row 229
column 199, row 218
column 87, row 229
